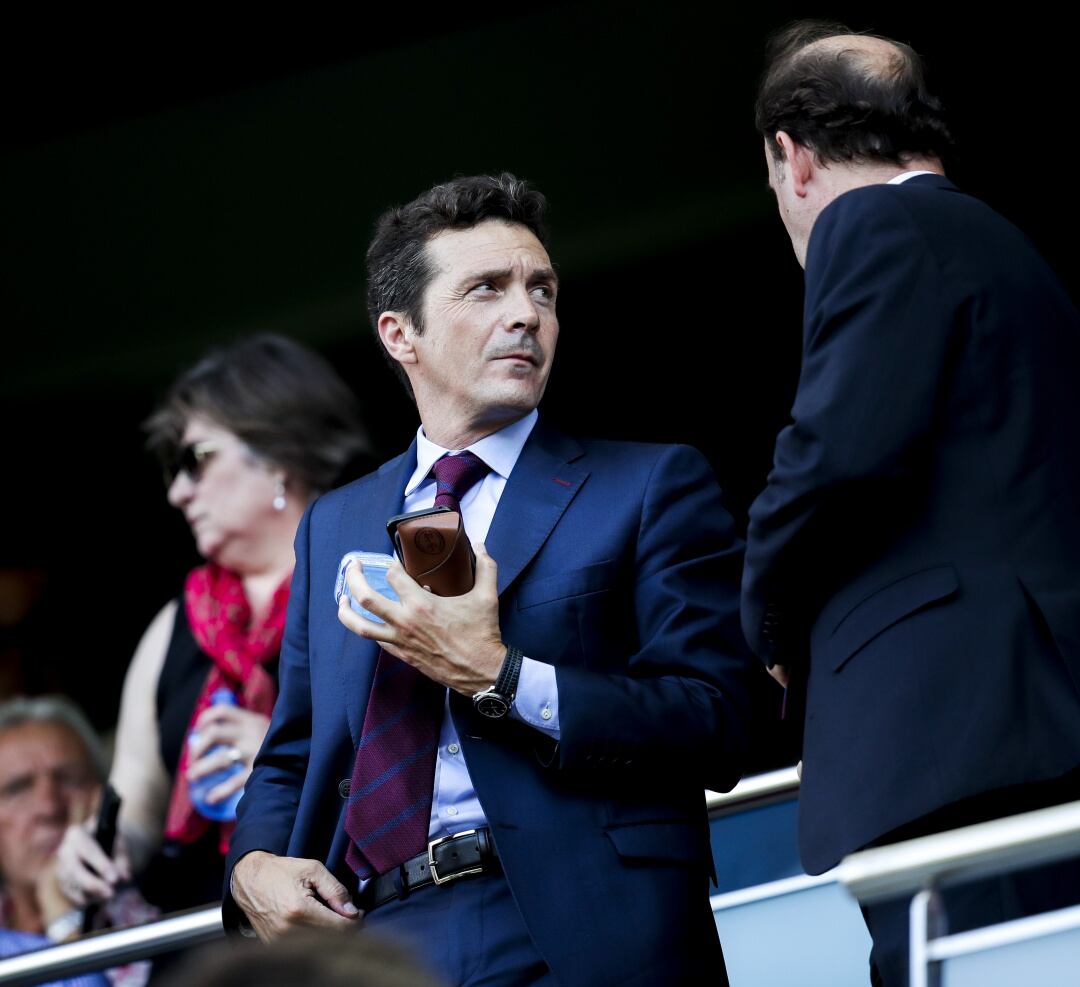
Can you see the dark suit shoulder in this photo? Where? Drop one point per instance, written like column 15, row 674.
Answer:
column 340, row 498
column 642, row 459
column 862, row 213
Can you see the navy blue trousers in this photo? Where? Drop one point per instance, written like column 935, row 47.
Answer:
column 468, row 932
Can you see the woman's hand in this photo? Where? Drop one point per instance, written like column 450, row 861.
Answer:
column 240, row 732
column 84, row 872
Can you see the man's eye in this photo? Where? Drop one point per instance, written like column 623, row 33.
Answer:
column 484, row 286
column 15, row 788
column 74, row 778
column 544, row 291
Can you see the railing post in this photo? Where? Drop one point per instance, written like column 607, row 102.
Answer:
column 926, row 919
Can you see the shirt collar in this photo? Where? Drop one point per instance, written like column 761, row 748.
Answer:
column 905, row 175
column 500, row 450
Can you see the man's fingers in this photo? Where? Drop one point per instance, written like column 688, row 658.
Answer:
column 487, row 569
column 361, row 625
column 369, row 598
column 280, row 893
column 780, row 673
column 323, row 917
column 333, row 892
column 402, row 583
column 306, row 911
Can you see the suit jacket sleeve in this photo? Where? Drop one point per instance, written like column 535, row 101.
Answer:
column 267, row 811
column 680, row 707
column 877, row 347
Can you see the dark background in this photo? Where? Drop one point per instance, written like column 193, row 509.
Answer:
column 166, row 187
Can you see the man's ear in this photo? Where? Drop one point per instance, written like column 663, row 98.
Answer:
column 395, row 332
column 799, row 162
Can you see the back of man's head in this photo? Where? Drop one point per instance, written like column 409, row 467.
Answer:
column 853, row 98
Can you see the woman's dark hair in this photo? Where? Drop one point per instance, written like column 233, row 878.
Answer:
column 846, row 104
column 398, row 270
column 285, row 402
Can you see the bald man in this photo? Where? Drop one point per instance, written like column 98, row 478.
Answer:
column 911, row 568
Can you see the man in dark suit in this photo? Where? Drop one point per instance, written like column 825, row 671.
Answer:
column 913, row 566
column 586, row 690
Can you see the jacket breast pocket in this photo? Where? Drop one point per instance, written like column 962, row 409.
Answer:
column 888, row 606
column 594, row 578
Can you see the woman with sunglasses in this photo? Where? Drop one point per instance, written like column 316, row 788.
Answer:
column 248, row 436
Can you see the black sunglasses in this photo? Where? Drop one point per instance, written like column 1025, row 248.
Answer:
column 192, row 460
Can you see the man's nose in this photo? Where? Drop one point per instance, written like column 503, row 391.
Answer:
column 50, row 798
column 521, row 311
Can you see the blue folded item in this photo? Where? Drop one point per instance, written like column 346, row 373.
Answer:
column 374, row 565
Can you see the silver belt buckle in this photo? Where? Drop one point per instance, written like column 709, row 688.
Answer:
column 450, row 877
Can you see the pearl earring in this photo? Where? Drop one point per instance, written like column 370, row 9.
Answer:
column 279, row 496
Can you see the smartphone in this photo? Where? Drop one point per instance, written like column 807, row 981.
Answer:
column 434, row 549
column 105, row 834
column 108, row 812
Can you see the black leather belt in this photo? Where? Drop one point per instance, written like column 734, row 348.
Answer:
column 467, row 854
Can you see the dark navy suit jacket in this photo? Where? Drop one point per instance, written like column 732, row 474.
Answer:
column 916, row 553
column 617, row 564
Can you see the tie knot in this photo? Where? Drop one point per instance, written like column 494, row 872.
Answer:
column 454, row 475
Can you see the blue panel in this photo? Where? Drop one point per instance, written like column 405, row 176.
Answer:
column 1050, row 961
column 756, row 846
column 814, row 938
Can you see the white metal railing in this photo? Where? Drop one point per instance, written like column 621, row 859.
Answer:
column 753, row 792
column 112, row 948
column 921, row 867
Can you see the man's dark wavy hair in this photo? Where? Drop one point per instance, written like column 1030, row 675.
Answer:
column 398, row 268
column 844, row 105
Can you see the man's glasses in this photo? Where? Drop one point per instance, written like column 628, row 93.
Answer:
column 191, row 459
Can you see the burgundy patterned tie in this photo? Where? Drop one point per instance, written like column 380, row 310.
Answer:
column 394, row 772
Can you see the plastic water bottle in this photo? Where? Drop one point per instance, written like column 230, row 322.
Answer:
column 224, row 811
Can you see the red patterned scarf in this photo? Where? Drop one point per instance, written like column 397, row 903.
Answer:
column 220, row 619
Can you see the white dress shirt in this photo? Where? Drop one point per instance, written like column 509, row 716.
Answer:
column 905, row 175
column 454, row 805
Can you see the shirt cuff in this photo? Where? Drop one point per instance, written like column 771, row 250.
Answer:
column 537, row 700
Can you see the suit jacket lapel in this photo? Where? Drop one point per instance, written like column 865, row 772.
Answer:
column 363, row 528
column 543, row 483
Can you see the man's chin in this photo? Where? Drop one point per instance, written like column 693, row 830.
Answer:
column 518, row 401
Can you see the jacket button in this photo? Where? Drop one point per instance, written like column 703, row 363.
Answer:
column 344, row 788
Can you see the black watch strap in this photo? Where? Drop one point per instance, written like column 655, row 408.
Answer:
column 495, row 703
column 507, row 682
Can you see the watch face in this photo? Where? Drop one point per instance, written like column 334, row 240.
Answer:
column 492, row 705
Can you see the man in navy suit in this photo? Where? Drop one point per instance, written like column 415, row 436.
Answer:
column 587, row 689
column 913, row 566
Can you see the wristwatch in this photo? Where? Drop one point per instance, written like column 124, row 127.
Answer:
column 495, row 702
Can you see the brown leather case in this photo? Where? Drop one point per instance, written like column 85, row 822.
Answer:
column 434, row 550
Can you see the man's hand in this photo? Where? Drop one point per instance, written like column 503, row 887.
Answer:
column 781, row 673
column 453, row 640
column 280, row 894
